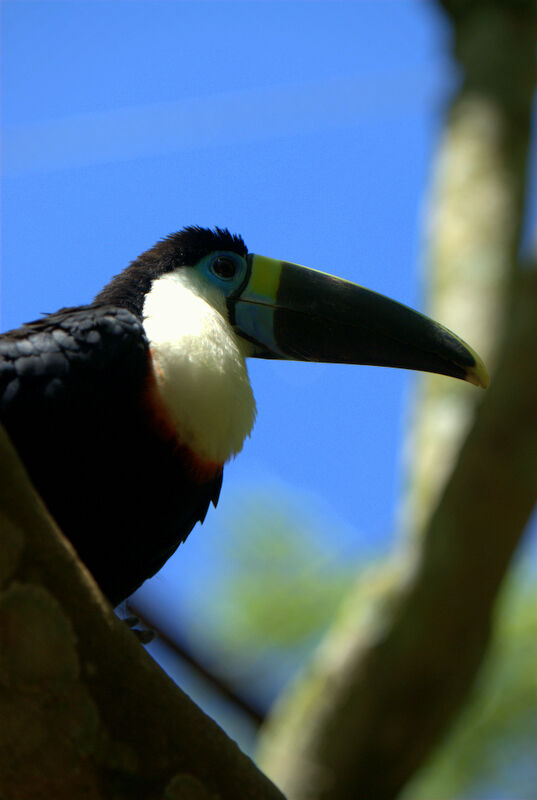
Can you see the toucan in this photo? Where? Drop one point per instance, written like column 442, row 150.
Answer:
column 124, row 411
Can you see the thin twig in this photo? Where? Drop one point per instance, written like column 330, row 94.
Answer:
column 222, row 686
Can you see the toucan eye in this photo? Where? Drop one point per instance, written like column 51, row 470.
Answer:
column 224, row 267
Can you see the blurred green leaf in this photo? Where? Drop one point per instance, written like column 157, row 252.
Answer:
column 284, row 578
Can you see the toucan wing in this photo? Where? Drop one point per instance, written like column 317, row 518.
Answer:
column 47, row 361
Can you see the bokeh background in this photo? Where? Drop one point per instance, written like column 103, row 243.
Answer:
column 309, row 128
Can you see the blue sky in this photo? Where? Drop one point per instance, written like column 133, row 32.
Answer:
column 307, row 127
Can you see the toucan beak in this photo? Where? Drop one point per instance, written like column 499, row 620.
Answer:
column 292, row 312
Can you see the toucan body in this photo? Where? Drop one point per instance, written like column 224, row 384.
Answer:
column 125, row 411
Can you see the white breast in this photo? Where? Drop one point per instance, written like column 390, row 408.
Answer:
column 200, row 365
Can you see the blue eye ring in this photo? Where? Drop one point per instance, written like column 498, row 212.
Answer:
column 224, row 267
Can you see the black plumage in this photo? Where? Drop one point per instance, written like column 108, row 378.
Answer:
column 77, row 398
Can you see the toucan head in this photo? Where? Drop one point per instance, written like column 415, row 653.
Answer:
column 288, row 311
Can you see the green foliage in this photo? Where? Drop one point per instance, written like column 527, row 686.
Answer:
column 283, row 586
column 283, row 582
column 494, row 740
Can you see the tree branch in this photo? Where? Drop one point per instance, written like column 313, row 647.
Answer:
column 387, row 682
column 376, row 700
column 85, row 711
column 224, row 687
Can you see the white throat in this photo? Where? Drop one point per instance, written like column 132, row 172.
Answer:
column 200, row 365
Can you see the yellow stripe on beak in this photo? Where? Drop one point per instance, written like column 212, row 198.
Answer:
column 265, row 278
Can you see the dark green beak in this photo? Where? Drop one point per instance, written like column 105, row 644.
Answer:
column 289, row 311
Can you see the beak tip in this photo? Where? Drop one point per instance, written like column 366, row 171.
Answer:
column 478, row 374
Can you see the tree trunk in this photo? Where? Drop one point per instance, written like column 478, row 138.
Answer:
column 388, row 679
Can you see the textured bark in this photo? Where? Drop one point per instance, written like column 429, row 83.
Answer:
column 476, row 213
column 388, row 680
column 84, row 710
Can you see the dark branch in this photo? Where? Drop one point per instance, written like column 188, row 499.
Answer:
column 223, row 687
